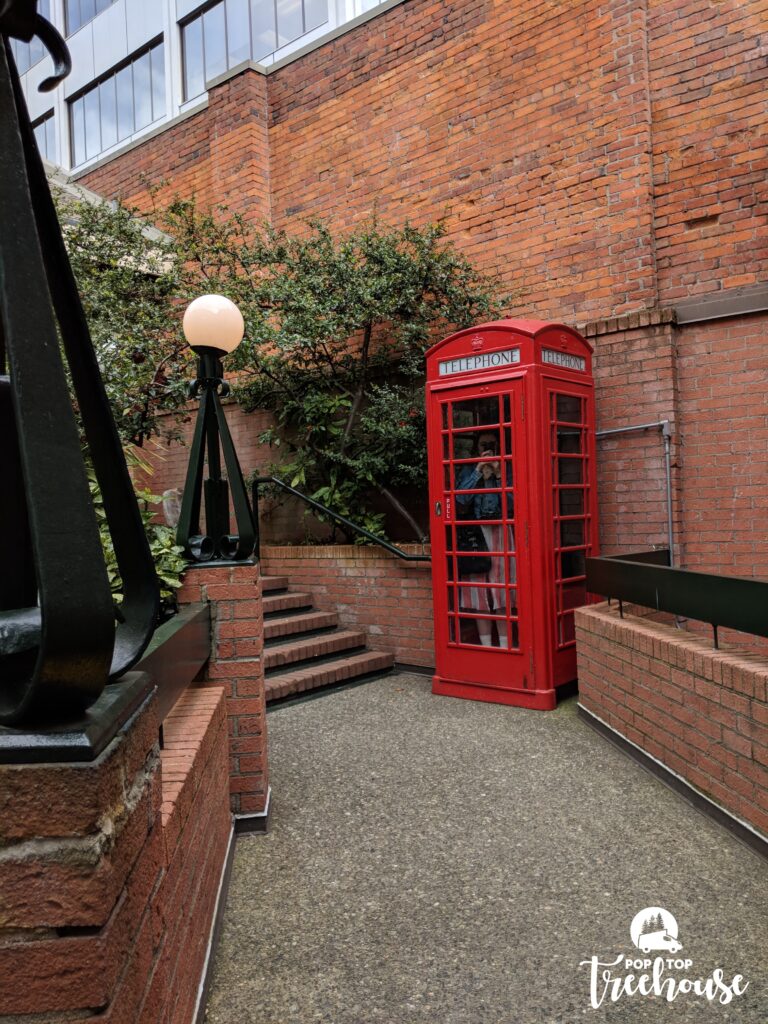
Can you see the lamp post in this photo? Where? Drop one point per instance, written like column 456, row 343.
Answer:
column 213, row 327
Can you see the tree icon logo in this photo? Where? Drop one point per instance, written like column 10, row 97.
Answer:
column 655, row 929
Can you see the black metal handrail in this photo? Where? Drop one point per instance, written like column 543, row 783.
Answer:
column 646, row 578
column 406, row 557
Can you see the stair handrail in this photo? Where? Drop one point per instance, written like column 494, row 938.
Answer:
column 404, row 555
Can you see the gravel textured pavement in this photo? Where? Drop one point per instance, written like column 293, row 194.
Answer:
column 439, row 861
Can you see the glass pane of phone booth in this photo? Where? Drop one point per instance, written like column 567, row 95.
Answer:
column 570, row 505
column 479, row 486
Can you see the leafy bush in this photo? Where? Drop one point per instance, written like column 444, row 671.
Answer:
column 129, row 277
column 336, row 330
column 170, row 564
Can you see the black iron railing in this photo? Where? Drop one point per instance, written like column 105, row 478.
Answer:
column 646, row 578
column 346, row 523
column 60, row 646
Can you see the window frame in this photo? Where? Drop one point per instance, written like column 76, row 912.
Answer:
column 19, row 44
column 204, row 8
column 68, row 30
column 48, row 116
column 95, row 86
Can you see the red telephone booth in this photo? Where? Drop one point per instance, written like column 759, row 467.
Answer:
column 513, row 494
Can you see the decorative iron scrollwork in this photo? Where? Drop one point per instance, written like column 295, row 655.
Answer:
column 59, row 642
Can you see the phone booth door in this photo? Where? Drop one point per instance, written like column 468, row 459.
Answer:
column 479, row 516
column 573, row 509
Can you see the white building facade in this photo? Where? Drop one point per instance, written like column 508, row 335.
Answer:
column 139, row 64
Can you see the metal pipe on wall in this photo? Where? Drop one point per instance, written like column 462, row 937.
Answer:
column 666, row 430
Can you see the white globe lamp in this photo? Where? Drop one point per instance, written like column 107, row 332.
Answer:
column 213, row 322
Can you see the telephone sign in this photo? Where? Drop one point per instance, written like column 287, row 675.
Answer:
column 483, row 361
column 567, row 359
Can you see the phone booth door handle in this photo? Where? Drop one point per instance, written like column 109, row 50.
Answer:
column 438, row 508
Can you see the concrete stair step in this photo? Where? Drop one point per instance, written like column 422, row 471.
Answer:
column 295, row 625
column 314, row 647
column 274, row 603
column 269, row 583
column 339, row 670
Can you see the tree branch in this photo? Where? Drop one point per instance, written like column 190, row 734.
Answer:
column 355, row 407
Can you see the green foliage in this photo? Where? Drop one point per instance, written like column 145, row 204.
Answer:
column 129, row 277
column 166, row 553
column 170, row 564
column 336, row 330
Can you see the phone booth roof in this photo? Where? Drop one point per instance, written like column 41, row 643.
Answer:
column 496, row 348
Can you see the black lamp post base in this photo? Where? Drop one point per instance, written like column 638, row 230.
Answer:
column 215, row 544
column 81, row 739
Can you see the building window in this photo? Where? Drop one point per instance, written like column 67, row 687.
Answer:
column 45, row 135
column 118, row 105
column 80, row 12
column 28, row 54
column 228, row 32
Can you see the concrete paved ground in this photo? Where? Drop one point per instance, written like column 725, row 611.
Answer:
column 439, row 861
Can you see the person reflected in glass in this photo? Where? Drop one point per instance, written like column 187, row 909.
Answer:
column 485, row 475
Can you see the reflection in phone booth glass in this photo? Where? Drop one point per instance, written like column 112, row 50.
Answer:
column 511, row 440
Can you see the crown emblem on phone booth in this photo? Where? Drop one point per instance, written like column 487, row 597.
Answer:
column 477, row 342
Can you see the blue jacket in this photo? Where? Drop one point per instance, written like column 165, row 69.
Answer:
column 483, row 506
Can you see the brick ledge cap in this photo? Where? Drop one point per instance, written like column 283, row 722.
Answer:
column 629, row 321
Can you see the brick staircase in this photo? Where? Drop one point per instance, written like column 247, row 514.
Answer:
column 305, row 649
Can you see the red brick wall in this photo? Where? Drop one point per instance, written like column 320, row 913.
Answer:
column 724, row 432
column 635, row 383
column 388, row 598
column 220, row 155
column 110, row 871
column 702, row 713
column 601, row 157
column 708, row 81
column 236, row 664
column 128, row 176
column 196, row 829
column 525, row 125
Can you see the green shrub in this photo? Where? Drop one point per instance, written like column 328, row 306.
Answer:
column 166, row 553
column 336, row 330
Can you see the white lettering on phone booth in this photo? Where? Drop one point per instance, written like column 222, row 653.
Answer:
column 549, row 355
column 481, row 361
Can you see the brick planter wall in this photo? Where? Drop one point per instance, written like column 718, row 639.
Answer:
column 700, row 712
column 237, row 641
column 371, row 589
column 111, row 869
